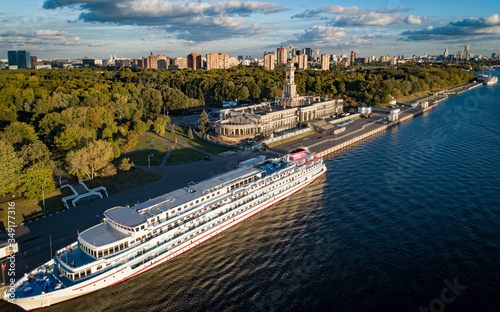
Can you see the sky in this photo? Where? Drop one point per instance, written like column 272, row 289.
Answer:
column 135, row 28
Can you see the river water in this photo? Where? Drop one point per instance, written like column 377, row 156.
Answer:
column 408, row 220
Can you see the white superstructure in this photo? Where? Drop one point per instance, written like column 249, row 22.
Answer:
column 131, row 240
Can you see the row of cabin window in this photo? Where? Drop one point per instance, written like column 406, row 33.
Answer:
column 196, row 202
column 244, row 182
column 106, row 252
column 78, row 275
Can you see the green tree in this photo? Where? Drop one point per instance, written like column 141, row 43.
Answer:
column 160, row 124
column 34, row 178
column 26, row 131
column 107, row 134
column 125, row 164
column 86, row 162
column 10, row 166
column 140, row 127
column 204, row 122
column 116, row 150
column 190, row 133
column 67, row 140
column 35, row 152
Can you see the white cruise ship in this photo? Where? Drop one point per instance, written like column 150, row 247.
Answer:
column 132, row 240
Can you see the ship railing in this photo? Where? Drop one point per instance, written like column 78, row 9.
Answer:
column 225, row 210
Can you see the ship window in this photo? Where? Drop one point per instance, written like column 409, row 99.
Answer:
column 197, row 201
column 99, row 254
column 82, row 274
column 126, row 244
column 218, row 192
column 191, row 204
column 99, row 267
column 88, row 272
column 137, row 239
column 105, row 252
column 202, row 199
column 142, row 227
column 185, row 206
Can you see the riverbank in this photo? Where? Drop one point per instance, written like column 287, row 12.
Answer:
column 363, row 128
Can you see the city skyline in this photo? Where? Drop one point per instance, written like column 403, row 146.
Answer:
column 134, row 28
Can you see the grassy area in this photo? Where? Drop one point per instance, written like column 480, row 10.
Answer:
column 184, row 155
column 126, row 180
column 178, row 133
column 29, row 209
column 140, row 158
column 148, row 145
column 291, row 138
column 207, row 146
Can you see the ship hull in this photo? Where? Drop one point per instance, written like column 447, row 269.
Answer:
column 125, row 271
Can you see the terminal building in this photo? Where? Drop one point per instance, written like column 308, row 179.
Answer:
column 290, row 111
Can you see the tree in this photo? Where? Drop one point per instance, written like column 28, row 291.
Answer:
column 10, row 166
column 116, row 150
column 125, row 164
column 89, row 160
column 204, row 122
column 190, row 133
column 26, row 131
column 34, row 178
column 67, row 140
column 140, row 127
column 160, row 123
column 35, row 152
column 107, row 134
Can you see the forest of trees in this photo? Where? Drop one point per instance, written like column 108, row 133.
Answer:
column 63, row 116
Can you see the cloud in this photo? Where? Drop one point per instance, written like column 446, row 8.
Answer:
column 319, row 36
column 469, row 27
column 43, row 37
column 410, row 19
column 200, row 21
column 370, row 19
column 337, row 9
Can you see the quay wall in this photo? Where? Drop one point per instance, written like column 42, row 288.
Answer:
column 381, row 128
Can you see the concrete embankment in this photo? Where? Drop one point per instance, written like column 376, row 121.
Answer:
column 365, row 129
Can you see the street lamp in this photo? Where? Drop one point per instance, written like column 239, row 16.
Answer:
column 148, row 160
column 43, row 197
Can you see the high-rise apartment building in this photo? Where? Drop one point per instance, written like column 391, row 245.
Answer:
column 269, row 61
column 178, row 63
column 19, row 59
column 217, row 60
column 282, row 55
column 325, row 61
column 466, row 52
column 302, row 61
column 194, row 61
column 353, row 57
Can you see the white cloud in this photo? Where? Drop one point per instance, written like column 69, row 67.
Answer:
column 44, row 37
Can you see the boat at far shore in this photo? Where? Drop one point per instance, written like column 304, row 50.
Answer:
column 488, row 80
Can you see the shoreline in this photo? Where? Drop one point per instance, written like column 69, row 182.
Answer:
column 374, row 127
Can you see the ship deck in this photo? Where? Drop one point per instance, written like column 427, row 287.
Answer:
column 74, row 254
column 39, row 283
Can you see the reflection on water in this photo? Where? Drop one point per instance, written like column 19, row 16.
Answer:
column 393, row 219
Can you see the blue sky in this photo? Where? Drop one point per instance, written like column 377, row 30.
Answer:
column 134, row 28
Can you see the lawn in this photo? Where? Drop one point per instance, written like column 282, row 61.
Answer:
column 29, row 209
column 207, row 146
column 182, row 155
column 148, row 145
column 197, row 142
column 126, row 180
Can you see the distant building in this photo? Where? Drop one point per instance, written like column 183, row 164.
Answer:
column 178, row 63
column 282, row 55
column 353, row 57
column 446, row 53
column 87, row 62
column 302, row 60
column 466, row 52
column 269, row 61
column 289, row 112
column 194, row 61
column 217, row 61
column 19, row 59
column 325, row 61
column 33, row 60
